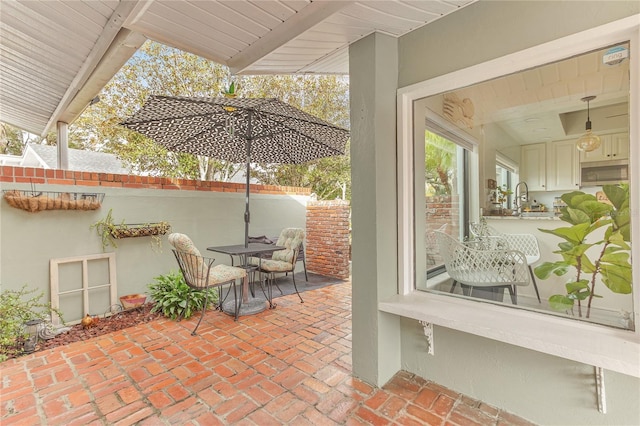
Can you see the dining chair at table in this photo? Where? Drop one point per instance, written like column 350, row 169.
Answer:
column 200, row 274
column 282, row 261
column 266, row 240
column 302, row 258
column 263, row 239
column 526, row 243
column 490, row 269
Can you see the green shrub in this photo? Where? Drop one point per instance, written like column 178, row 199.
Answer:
column 171, row 293
column 16, row 308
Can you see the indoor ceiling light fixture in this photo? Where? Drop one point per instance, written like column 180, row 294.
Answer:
column 588, row 142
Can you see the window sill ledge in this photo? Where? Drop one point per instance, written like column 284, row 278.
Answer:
column 592, row 344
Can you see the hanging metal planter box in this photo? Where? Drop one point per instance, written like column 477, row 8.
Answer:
column 35, row 201
column 130, row 230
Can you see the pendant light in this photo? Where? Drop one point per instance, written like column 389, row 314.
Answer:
column 588, row 142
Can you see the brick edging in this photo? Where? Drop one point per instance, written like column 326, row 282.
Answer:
column 40, row 176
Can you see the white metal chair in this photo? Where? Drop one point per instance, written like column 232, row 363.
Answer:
column 491, row 269
column 526, row 243
column 431, row 245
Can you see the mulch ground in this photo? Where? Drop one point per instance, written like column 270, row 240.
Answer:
column 118, row 321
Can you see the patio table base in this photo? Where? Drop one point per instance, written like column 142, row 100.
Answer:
column 253, row 306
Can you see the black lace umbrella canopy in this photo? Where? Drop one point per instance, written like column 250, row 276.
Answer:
column 239, row 130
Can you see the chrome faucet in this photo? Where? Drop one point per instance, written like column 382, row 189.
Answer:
column 519, row 196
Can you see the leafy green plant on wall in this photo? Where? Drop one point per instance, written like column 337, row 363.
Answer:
column 175, row 299
column 104, row 228
column 605, row 257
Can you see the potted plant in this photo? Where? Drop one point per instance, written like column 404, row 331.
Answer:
column 499, row 197
column 592, row 257
column 232, row 91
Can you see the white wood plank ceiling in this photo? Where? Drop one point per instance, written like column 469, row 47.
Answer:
column 544, row 103
column 281, row 37
column 56, row 55
column 49, row 52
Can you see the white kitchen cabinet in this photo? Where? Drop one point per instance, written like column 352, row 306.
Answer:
column 533, row 166
column 563, row 166
column 612, row 147
column 551, row 166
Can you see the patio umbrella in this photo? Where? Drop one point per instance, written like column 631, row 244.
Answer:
column 238, row 130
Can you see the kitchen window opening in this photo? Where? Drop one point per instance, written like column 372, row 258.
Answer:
column 612, row 348
column 473, row 136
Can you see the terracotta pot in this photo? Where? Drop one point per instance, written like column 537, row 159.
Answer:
column 130, row 301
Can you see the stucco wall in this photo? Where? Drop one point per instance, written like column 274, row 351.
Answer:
column 544, row 389
column 210, row 213
column 490, row 29
column 539, row 387
column 373, row 68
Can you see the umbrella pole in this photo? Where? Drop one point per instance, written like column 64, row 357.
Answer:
column 247, row 215
column 247, row 218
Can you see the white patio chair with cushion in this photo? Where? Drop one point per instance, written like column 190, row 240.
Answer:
column 491, row 270
column 264, row 240
column 272, row 240
column 282, row 261
column 199, row 273
column 526, row 243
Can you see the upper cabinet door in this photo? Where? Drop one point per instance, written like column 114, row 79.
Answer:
column 562, row 166
column 533, row 166
column 612, row 147
column 619, row 146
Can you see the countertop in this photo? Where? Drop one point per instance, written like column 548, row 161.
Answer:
column 521, row 218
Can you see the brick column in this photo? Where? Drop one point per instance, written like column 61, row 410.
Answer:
column 328, row 247
column 440, row 210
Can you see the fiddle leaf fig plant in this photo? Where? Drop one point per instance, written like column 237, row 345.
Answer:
column 594, row 257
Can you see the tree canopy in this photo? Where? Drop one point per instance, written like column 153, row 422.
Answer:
column 13, row 140
column 440, row 155
column 158, row 69
column 162, row 70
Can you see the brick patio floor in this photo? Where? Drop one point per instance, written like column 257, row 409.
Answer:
column 291, row 365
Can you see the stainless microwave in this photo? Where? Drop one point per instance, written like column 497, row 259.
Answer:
column 604, row 172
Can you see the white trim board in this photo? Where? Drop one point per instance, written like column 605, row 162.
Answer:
column 609, row 348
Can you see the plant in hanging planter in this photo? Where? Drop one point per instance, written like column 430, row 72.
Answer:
column 132, row 230
column 592, row 257
column 109, row 231
column 104, row 228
